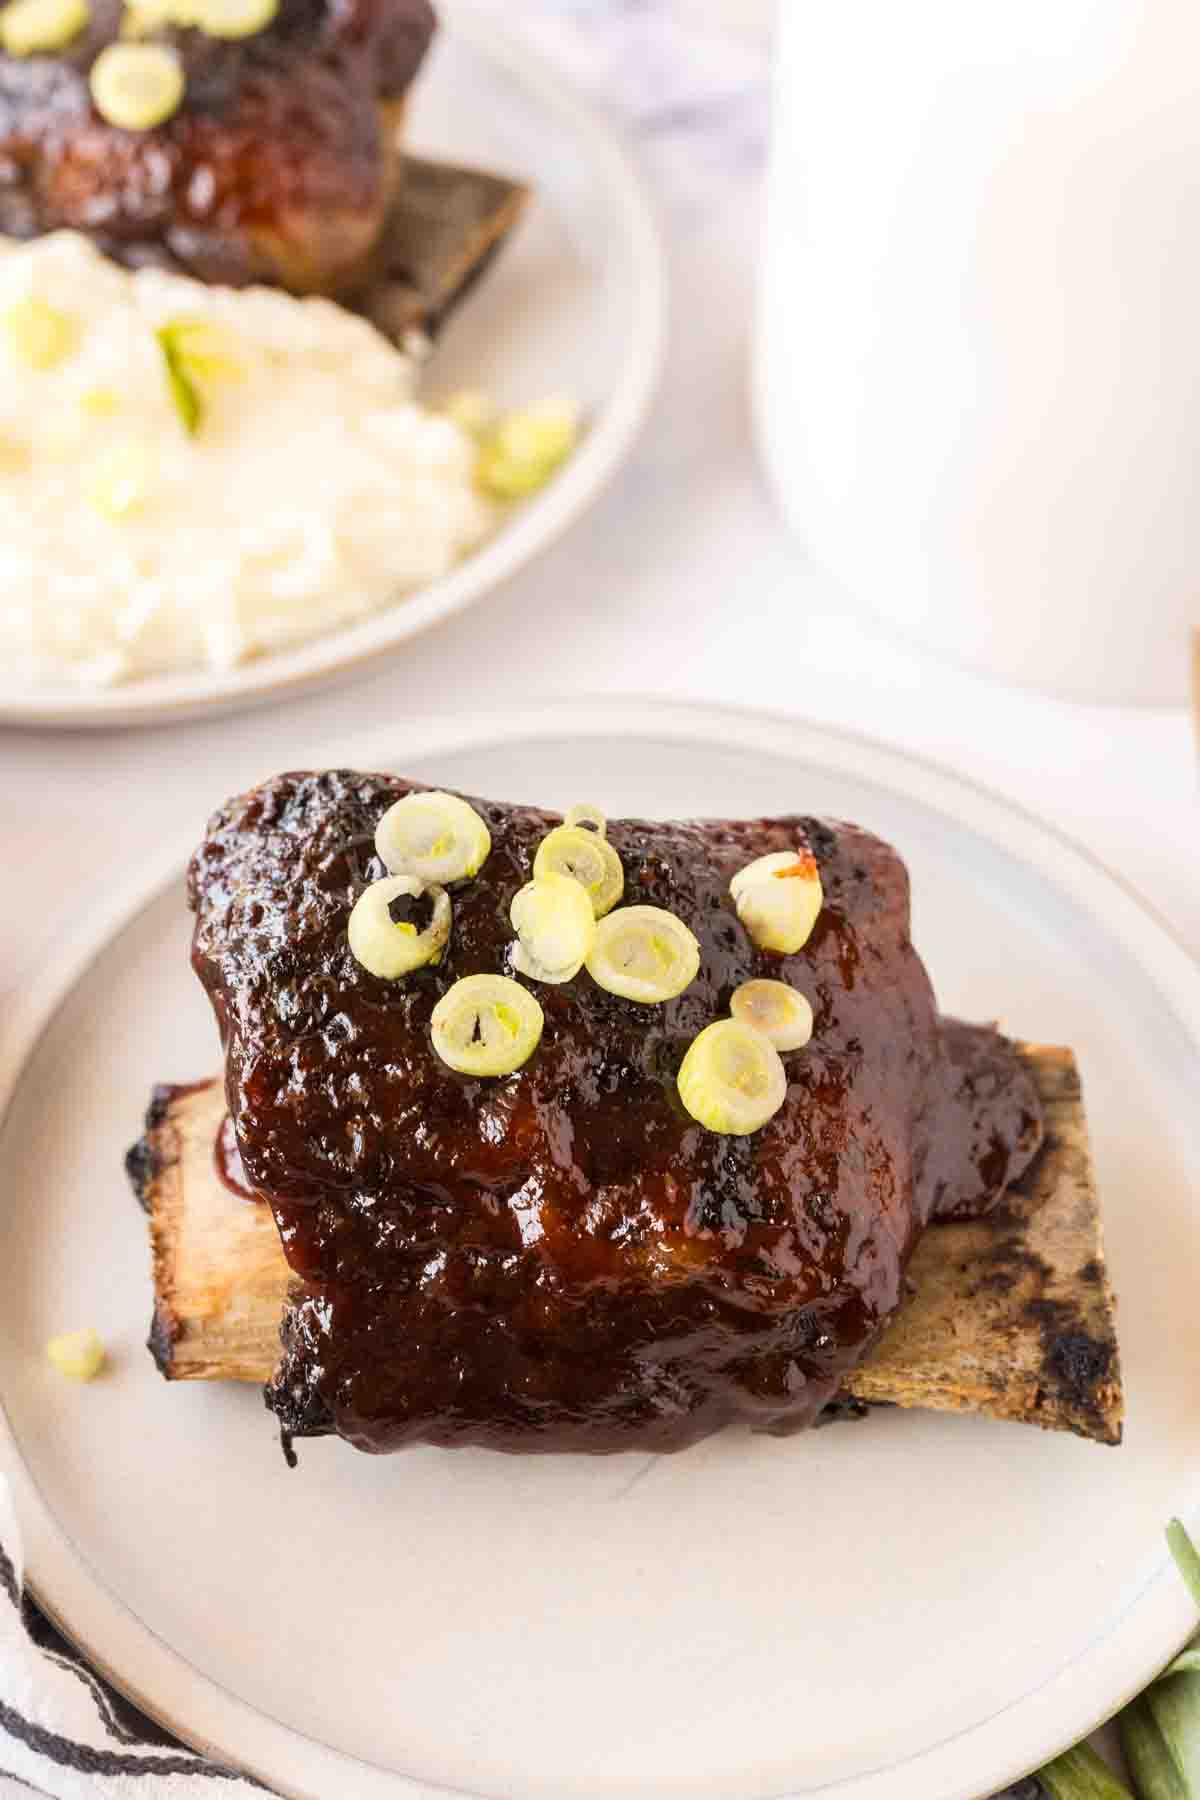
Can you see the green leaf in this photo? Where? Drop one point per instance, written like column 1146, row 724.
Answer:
column 184, row 392
column 1187, row 1557
column 1147, row 1754
column 1174, row 1703
column 1080, row 1774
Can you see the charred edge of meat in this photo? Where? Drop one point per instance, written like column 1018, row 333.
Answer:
column 845, row 1406
column 1076, row 1364
column 299, row 1415
column 1078, row 1368
column 164, row 1332
column 143, row 1159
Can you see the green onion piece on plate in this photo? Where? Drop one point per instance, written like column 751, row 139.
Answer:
column 79, row 1355
column 185, row 395
column 33, row 27
column 137, row 86
column 40, row 336
column 525, row 449
column 195, row 350
column 100, row 402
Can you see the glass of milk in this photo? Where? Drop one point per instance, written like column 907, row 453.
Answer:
column 978, row 359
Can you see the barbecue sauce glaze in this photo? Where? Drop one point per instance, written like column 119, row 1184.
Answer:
column 561, row 1259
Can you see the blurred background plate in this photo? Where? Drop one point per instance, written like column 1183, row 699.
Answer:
column 573, row 305
column 914, row 1607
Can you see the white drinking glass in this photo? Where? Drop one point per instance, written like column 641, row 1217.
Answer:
column 978, row 358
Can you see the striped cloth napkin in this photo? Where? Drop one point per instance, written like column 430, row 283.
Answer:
column 63, row 1732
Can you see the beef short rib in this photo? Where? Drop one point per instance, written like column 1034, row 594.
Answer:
column 279, row 167
column 562, row 1259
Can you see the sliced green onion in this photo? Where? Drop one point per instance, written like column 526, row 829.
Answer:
column 40, row 336
column 434, row 835
column 137, row 86
column 185, row 396
column 194, row 350
column 208, row 349
column 470, row 411
column 388, row 947
column 79, row 1355
column 587, row 858
column 141, row 18
column 525, row 449
column 30, row 27
column 732, row 1080
column 486, row 1025
column 233, row 18
column 775, row 1008
column 778, row 899
column 643, row 953
column 585, row 815
column 555, row 926
column 120, row 480
column 100, row 402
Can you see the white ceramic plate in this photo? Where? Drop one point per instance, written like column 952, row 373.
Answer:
column 909, row 1608
column 574, row 304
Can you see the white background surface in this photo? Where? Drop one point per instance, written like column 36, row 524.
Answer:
column 682, row 582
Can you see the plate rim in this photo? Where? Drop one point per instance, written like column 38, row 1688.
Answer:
column 60, row 1578
column 338, row 655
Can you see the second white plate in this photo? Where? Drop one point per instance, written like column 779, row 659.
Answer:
column 910, row 1608
column 574, row 305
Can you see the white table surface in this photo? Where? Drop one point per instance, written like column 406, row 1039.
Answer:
column 682, row 582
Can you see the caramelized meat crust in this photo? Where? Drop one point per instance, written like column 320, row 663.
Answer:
column 562, row 1259
column 279, row 167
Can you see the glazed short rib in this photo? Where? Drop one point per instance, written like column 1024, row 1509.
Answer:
column 280, row 166
column 562, row 1259
column 1010, row 1315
